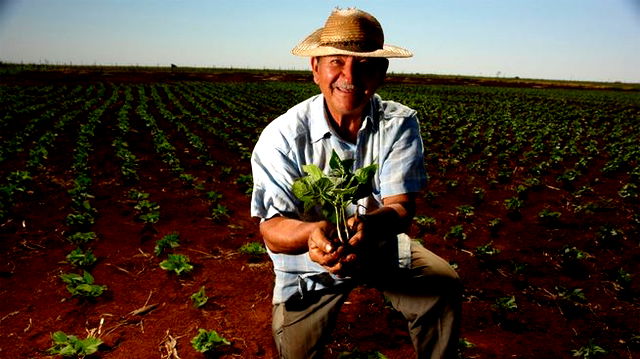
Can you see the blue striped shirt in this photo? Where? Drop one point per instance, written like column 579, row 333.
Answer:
column 389, row 136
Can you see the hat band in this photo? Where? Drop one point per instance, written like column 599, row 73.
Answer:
column 355, row 46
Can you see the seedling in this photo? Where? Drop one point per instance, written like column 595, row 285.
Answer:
column 513, row 205
column 150, row 218
column 71, row 346
column 425, row 222
column 478, row 195
column 574, row 254
column 137, row 195
column 78, row 258
column 19, row 180
column 486, row 251
column 220, row 213
column 208, row 341
column 80, row 219
column 494, row 226
column 245, row 182
column 82, row 285
column 334, row 192
column 254, row 249
column 178, row 263
column 456, row 232
column 589, row 351
column 548, row 217
column 214, row 196
column 199, row 298
column 464, row 343
column 171, row 240
column 465, row 212
column 81, row 237
column 575, row 295
column 188, row 179
column 506, row 304
column 609, row 235
column 146, row 206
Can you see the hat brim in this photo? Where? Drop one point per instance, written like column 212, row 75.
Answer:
column 311, row 47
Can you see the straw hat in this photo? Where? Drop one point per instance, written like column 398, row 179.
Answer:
column 349, row 32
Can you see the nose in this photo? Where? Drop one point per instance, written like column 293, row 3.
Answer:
column 349, row 69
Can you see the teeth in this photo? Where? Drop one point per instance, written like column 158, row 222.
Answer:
column 344, row 86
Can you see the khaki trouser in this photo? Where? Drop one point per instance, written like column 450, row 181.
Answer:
column 428, row 295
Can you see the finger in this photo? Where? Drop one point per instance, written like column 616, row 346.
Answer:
column 325, row 259
column 356, row 238
column 318, row 240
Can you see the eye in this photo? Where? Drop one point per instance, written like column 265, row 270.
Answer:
column 336, row 61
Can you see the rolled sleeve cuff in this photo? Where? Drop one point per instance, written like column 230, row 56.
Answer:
column 404, row 251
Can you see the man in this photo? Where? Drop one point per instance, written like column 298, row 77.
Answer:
column 314, row 273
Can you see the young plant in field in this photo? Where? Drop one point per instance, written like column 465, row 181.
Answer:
column 145, row 206
column 245, row 182
column 82, row 259
column 568, row 178
column 208, row 341
column 629, row 191
column 18, row 180
column 168, row 241
column 609, row 235
column 188, row 179
column 199, row 298
column 506, row 304
column 334, row 192
column 486, row 251
column 220, row 213
column 478, row 195
column 82, row 285
column 589, row 351
column 255, row 249
column 214, row 196
column 80, row 219
column 72, row 346
column 456, row 232
column 150, row 218
column 513, row 205
column 549, row 217
column 575, row 254
column 81, row 237
column 464, row 343
column 138, row 196
column 494, row 226
column 177, row 263
column 425, row 223
column 465, row 212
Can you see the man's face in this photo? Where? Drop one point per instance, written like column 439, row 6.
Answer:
column 348, row 82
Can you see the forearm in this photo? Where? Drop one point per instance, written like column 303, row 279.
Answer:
column 287, row 235
column 395, row 215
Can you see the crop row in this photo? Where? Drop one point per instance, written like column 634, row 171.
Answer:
column 564, row 162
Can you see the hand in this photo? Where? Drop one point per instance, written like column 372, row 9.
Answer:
column 321, row 249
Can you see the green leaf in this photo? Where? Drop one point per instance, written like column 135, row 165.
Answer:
column 178, row 263
column 207, row 341
column 314, row 172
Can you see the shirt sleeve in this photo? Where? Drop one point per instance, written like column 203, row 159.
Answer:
column 403, row 169
column 274, row 170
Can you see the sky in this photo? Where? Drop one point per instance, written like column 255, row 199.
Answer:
column 590, row 40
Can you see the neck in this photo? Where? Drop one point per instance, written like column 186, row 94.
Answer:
column 346, row 125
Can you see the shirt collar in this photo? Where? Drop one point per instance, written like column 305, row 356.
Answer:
column 320, row 129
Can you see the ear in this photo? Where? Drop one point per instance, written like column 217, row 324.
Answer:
column 314, row 68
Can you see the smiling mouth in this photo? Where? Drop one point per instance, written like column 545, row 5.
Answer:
column 344, row 87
